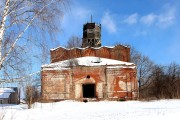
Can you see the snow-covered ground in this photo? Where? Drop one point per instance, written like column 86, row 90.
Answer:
column 104, row 110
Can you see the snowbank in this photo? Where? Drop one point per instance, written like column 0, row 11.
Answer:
column 104, row 110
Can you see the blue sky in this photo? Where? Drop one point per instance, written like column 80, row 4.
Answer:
column 151, row 26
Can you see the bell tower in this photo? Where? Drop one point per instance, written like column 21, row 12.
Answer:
column 91, row 34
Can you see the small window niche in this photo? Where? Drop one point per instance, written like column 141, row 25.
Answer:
column 88, row 76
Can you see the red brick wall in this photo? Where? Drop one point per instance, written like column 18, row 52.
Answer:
column 119, row 52
column 110, row 83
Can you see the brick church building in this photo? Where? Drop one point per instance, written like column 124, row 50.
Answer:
column 91, row 72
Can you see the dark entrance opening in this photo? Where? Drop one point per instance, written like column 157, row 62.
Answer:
column 88, row 90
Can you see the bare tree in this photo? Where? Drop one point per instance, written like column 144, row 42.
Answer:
column 172, row 80
column 74, row 41
column 158, row 81
column 24, row 27
column 32, row 95
column 164, row 83
column 144, row 68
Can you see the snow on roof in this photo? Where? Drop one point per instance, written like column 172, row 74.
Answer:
column 81, row 48
column 88, row 61
column 121, row 67
column 4, row 95
column 5, row 92
column 86, row 47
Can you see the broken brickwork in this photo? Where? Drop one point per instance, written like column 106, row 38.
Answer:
column 118, row 52
column 110, row 83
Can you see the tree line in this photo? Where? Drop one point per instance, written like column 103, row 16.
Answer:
column 156, row 81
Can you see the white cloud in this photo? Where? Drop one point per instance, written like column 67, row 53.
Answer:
column 108, row 23
column 132, row 19
column 148, row 19
column 164, row 19
column 167, row 18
